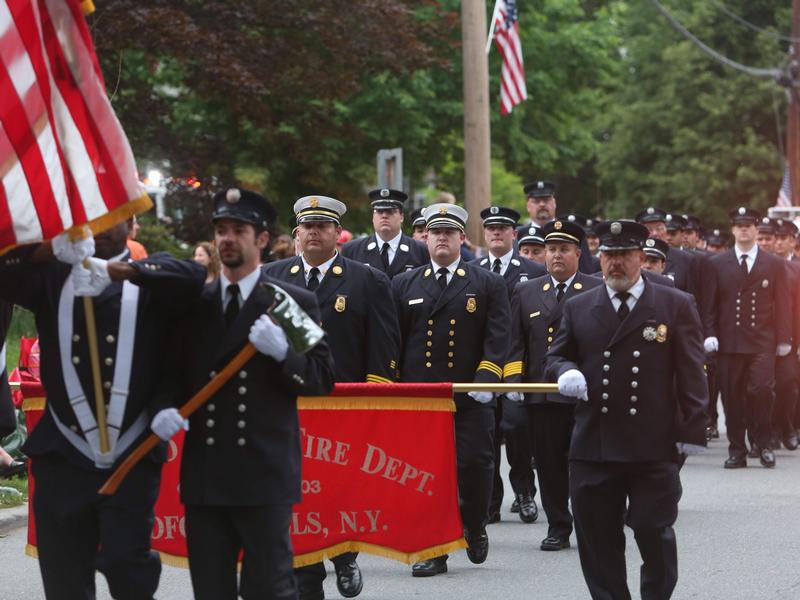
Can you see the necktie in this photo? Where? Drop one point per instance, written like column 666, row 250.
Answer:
column 441, row 277
column 232, row 308
column 744, row 264
column 313, row 280
column 385, row 255
column 560, row 293
column 496, row 265
column 623, row 309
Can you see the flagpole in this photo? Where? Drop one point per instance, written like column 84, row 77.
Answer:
column 492, row 25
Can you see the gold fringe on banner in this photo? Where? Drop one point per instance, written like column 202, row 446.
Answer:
column 375, row 403
column 87, row 6
column 33, row 404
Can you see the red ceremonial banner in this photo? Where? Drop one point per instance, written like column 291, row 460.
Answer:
column 379, row 476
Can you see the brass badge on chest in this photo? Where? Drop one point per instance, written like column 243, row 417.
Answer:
column 661, row 333
column 472, row 305
column 341, row 304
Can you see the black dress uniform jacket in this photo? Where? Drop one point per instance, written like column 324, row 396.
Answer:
column 681, row 267
column 243, row 445
column 752, row 314
column 166, row 286
column 535, row 320
column 519, row 270
column 410, row 253
column 646, row 385
column 472, row 314
column 358, row 314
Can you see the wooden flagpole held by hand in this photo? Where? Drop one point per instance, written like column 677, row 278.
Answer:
column 94, row 360
column 151, row 441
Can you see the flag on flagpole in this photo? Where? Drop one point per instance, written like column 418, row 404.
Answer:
column 506, row 38
column 64, row 158
column 785, row 193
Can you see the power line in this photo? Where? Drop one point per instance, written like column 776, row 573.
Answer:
column 754, row 71
column 753, row 26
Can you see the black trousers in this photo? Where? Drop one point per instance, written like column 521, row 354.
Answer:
column 475, row 458
column 78, row 531
column 310, row 577
column 747, row 384
column 599, row 493
column 215, row 535
column 519, row 452
column 786, row 393
column 551, row 424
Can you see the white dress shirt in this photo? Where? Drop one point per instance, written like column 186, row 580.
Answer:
column 568, row 282
column 323, row 268
column 393, row 244
column 505, row 260
column 246, row 285
column 635, row 292
column 752, row 254
column 451, row 268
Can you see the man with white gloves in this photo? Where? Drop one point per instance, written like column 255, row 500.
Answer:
column 135, row 306
column 455, row 326
column 240, row 471
column 748, row 320
column 631, row 352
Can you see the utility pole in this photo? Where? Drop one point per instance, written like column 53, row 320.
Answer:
column 477, row 149
column 793, row 117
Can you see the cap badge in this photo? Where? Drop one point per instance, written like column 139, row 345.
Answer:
column 494, row 210
column 650, row 243
column 649, row 334
column 384, row 193
column 540, row 184
column 616, row 228
column 661, row 333
column 765, row 220
column 651, row 210
column 337, row 270
column 571, row 218
column 341, row 304
column 717, row 232
column 742, row 210
column 443, row 210
column 314, row 203
column 532, row 231
column 233, row 195
column 557, row 225
column 669, row 217
column 472, row 305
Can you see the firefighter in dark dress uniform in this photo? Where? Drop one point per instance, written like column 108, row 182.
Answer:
column 455, row 326
column 499, row 232
column 619, row 343
column 358, row 315
column 240, row 471
column 680, row 265
column 530, row 243
column 135, row 303
column 749, row 322
column 536, row 309
column 388, row 249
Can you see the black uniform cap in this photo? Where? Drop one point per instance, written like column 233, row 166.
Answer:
column 692, row 223
column 530, row 234
column 716, row 237
column 767, row 225
column 499, row 215
column 243, row 205
column 651, row 215
column 563, row 231
column 621, row 234
column 388, row 198
column 539, row 189
column 785, row 227
column 417, row 220
column 657, row 248
column 744, row 216
column 675, row 222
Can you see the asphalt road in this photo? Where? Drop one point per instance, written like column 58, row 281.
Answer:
column 738, row 539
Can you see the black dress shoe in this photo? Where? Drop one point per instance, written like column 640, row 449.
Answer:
column 478, row 546
column 494, row 517
column 736, row 462
column 528, row 511
column 318, row 594
column 15, row 467
column 767, row 458
column 348, row 579
column 790, row 442
column 430, row 567
column 514, row 506
column 712, row 433
column 754, row 452
column 551, row 543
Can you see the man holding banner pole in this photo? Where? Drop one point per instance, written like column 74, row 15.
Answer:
column 359, row 318
column 455, row 326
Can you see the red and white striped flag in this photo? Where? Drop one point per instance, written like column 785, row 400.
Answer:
column 512, row 74
column 64, row 158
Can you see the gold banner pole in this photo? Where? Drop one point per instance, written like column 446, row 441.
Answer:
column 542, row 388
column 94, row 360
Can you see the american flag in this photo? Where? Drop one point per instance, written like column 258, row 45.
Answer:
column 785, row 193
column 64, row 158
column 506, row 37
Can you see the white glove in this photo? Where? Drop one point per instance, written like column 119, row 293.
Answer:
column 91, row 281
column 72, row 252
column 689, row 449
column 269, row 338
column 573, row 383
column 515, row 396
column 710, row 344
column 167, row 423
column 783, row 349
column 482, row 397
